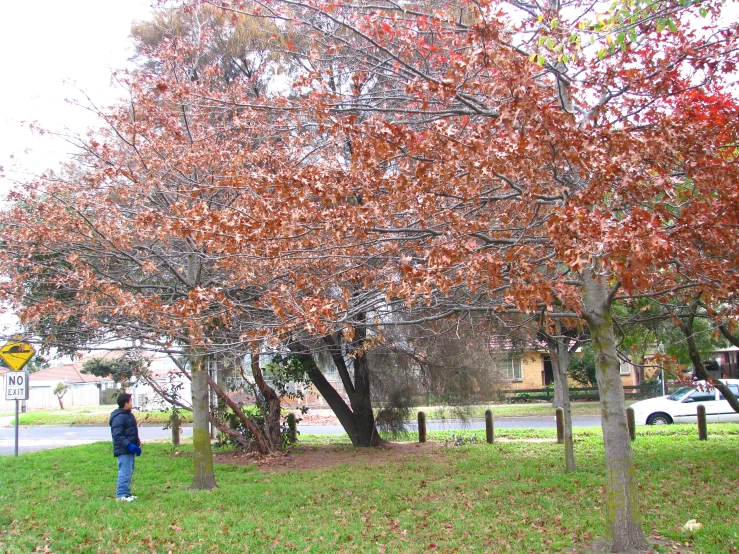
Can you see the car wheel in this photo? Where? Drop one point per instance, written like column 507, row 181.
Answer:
column 659, row 419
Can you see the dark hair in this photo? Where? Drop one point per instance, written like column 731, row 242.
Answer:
column 123, row 398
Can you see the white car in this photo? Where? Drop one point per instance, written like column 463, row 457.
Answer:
column 682, row 405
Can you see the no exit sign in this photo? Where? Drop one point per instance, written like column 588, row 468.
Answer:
column 16, row 385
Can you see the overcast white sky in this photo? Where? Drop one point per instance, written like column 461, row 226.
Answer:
column 50, row 49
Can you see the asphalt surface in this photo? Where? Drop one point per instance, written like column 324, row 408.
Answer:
column 43, row 437
column 532, row 422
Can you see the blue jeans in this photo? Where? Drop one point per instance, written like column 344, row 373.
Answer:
column 125, row 473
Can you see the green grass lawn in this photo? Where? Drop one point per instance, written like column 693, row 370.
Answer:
column 97, row 415
column 505, row 497
column 509, row 410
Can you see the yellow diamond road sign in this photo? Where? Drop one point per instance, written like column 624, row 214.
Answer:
column 16, row 354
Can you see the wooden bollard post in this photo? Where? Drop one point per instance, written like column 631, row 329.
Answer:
column 631, row 422
column 489, row 429
column 702, row 427
column 174, row 423
column 560, row 426
column 292, row 430
column 421, row 427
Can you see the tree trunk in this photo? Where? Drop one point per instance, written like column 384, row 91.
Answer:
column 260, row 440
column 728, row 335
column 346, row 416
column 273, row 410
column 362, row 404
column 686, row 326
column 357, row 389
column 559, row 401
column 333, row 399
column 237, row 437
column 560, row 363
column 203, row 477
column 622, row 505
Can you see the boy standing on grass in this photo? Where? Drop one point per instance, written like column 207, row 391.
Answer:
column 126, row 445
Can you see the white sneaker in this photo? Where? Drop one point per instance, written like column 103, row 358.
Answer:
column 129, row 498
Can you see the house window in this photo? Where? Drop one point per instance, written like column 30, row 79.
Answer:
column 510, row 367
column 625, row 368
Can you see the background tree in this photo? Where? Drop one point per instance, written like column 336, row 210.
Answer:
column 120, row 369
column 60, row 391
column 134, row 271
column 582, row 367
column 687, row 323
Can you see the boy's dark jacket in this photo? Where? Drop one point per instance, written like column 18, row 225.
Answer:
column 124, row 430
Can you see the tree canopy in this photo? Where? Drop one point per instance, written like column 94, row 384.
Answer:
column 462, row 157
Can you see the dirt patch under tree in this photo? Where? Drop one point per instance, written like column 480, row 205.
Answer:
column 306, row 458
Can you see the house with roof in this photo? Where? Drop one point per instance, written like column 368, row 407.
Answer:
column 84, row 389
column 90, row 390
column 727, row 360
column 522, row 364
column 528, row 365
column 160, row 373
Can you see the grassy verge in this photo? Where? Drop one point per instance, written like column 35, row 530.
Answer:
column 507, row 410
column 505, row 497
column 97, row 415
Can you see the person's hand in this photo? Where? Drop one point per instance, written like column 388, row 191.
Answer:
column 138, row 451
column 132, row 448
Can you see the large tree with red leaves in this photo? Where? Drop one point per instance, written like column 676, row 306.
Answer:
column 533, row 159
column 549, row 155
column 115, row 247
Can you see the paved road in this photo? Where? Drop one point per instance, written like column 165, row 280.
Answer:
column 44, row 437
column 538, row 422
